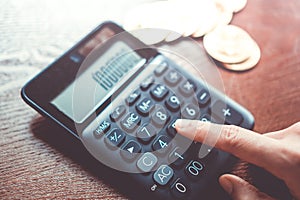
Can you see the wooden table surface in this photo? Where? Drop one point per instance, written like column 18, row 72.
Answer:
column 40, row 160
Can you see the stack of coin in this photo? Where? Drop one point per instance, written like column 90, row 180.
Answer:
column 233, row 47
column 166, row 21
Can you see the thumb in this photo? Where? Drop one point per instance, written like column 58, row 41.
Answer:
column 239, row 189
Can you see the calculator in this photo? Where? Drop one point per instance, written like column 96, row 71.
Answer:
column 121, row 98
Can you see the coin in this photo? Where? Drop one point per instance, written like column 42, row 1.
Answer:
column 228, row 44
column 233, row 5
column 224, row 14
column 247, row 64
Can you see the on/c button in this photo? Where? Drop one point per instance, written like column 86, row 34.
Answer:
column 147, row 162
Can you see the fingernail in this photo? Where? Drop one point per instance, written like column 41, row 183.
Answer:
column 182, row 124
column 227, row 185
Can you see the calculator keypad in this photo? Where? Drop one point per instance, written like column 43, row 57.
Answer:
column 143, row 128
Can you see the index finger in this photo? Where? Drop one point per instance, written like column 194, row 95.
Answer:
column 245, row 144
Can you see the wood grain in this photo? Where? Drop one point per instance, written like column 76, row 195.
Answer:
column 39, row 160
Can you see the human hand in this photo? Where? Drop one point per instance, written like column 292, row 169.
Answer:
column 277, row 152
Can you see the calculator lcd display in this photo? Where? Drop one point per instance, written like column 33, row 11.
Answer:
column 96, row 83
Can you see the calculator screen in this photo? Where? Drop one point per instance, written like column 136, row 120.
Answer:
column 96, row 83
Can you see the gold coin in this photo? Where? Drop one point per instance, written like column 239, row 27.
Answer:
column 247, row 64
column 228, row 44
column 224, row 14
column 233, row 5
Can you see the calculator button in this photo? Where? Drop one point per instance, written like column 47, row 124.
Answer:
column 117, row 113
column 162, row 144
column 173, row 103
column 223, row 111
column 146, row 133
column 130, row 150
column 194, row 169
column 163, row 175
column 161, row 68
column 203, row 97
column 190, row 111
column 130, row 122
column 206, row 118
column 115, row 138
column 102, row 128
column 132, row 98
column 159, row 92
column 180, row 189
column 145, row 106
column 160, row 117
column 145, row 85
column 172, row 78
column 146, row 162
column 171, row 129
column 177, row 157
column 187, row 88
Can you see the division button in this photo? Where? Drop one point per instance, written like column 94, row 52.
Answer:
column 146, row 162
column 130, row 150
column 163, row 175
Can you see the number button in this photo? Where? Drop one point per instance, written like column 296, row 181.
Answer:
column 180, row 189
column 132, row 98
column 160, row 117
column 172, row 78
column 187, row 88
column 145, row 106
column 146, row 133
column 117, row 113
column 102, row 128
column 194, row 169
column 162, row 144
column 171, row 129
column 159, row 92
column 190, row 111
column 115, row 138
column 147, row 162
column 163, row 175
column 177, row 157
column 130, row 122
column 173, row 103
